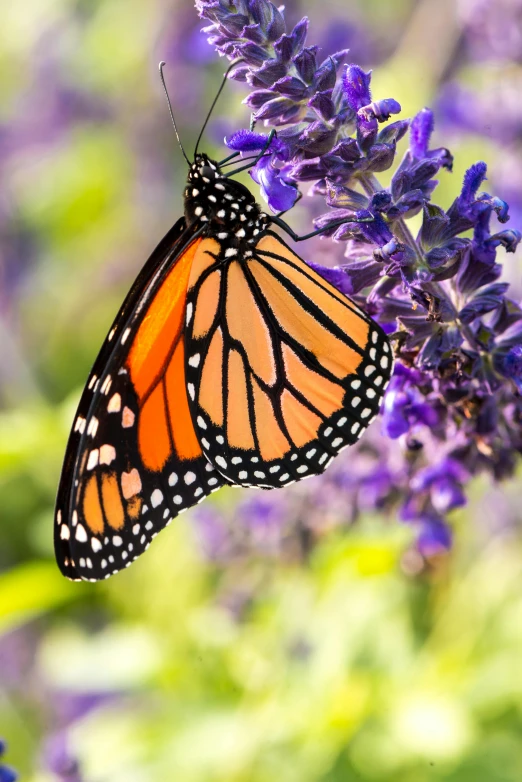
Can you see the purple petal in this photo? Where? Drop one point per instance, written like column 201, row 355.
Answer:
column 421, row 129
column 356, row 85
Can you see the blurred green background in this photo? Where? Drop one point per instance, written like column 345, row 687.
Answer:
column 346, row 661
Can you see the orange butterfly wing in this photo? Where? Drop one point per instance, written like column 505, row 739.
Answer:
column 288, row 371
column 133, row 460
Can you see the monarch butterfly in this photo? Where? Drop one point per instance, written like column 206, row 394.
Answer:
column 231, row 361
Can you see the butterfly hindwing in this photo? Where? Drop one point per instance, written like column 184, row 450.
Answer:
column 288, row 371
column 133, row 461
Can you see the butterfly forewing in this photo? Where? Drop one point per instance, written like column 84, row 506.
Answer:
column 133, row 461
column 286, row 371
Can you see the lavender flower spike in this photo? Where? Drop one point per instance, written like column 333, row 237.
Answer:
column 454, row 406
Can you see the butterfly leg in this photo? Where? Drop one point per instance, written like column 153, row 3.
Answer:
column 276, row 220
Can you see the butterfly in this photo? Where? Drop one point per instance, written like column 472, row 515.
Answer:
column 231, row 362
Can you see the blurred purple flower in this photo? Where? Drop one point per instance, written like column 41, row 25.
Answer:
column 7, row 774
column 449, row 411
column 59, row 760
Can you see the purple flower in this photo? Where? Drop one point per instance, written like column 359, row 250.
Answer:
column 59, row 760
column 405, row 406
column 275, row 179
column 450, row 411
column 434, row 536
column 7, row 774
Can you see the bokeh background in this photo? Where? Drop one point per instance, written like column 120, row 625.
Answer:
column 252, row 642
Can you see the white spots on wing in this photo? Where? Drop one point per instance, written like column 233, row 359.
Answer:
column 378, row 381
column 209, row 467
column 212, row 481
column 191, row 390
column 188, row 314
column 92, row 461
column 243, row 475
column 303, row 468
column 356, row 401
column 149, row 525
column 212, row 198
column 219, row 186
column 177, row 499
column 205, row 443
column 107, row 383
column 284, row 477
column 221, row 213
column 241, row 233
column 136, row 529
column 81, row 534
column 117, row 541
column 355, row 384
column 112, row 332
column 221, row 462
column 328, row 431
column 194, row 360
column 254, row 459
column 222, row 235
column 198, row 210
column 323, row 458
column 386, row 347
column 59, row 517
column 342, row 421
column 384, row 362
column 294, row 456
column 371, row 393
column 125, row 336
column 198, row 492
column 236, row 460
column 92, row 428
column 114, row 405
column 92, row 382
column 130, row 483
column 366, row 412
column 107, row 454
column 74, row 518
column 195, row 192
column 355, row 428
column 369, row 370
column 156, row 498
column 373, row 354
column 127, row 418
column 96, row 545
column 65, row 533
column 79, row 425
column 230, row 252
column 375, row 337
column 173, row 479
column 220, row 439
column 275, row 468
column 190, row 477
column 259, row 474
column 337, row 442
column 311, row 453
column 144, row 510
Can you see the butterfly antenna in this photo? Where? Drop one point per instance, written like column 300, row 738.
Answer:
column 225, row 77
column 161, row 65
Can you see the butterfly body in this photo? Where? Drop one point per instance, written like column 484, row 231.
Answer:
column 230, row 362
